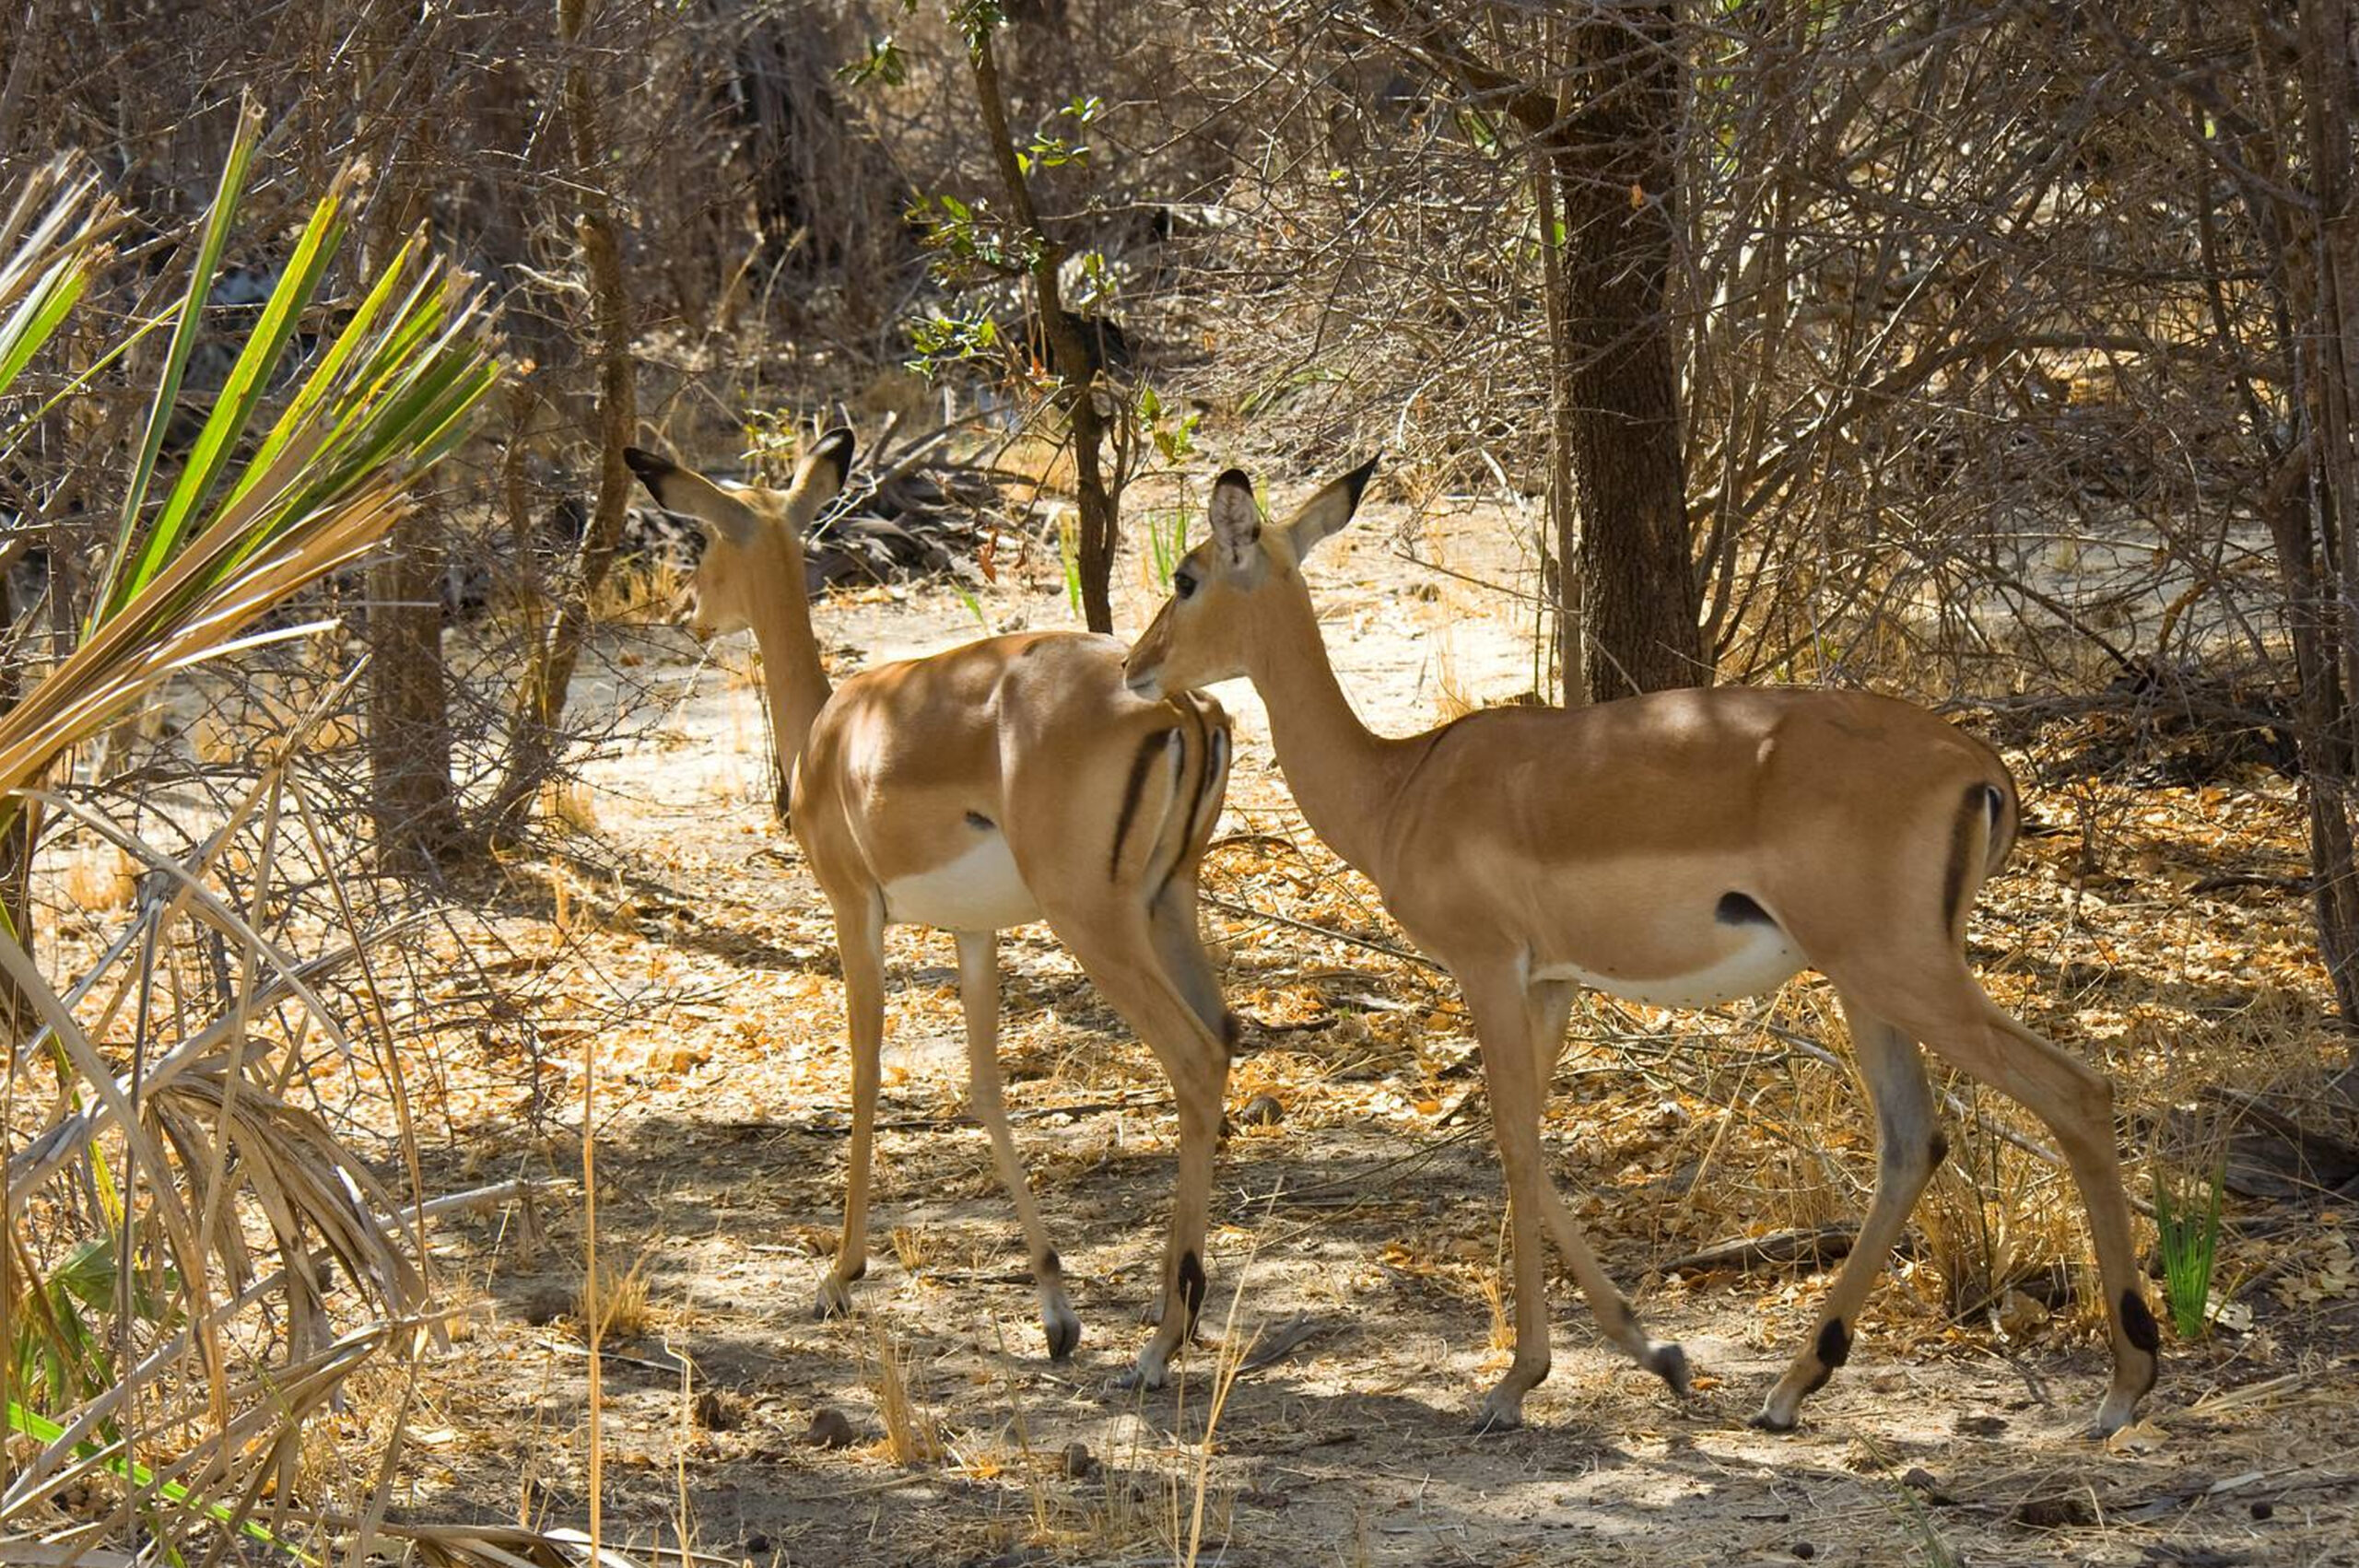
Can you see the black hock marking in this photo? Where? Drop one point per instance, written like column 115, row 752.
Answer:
column 1049, row 1264
column 858, row 1273
column 1937, row 1149
column 978, row 820
column 1739, row 909
column 1192, row 1286
column 1232, row 1029
column 1141, row 766
column 1834, row 1344
column 2138, row 1324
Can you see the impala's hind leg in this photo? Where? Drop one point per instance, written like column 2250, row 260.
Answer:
column 1909, row 1146
column 1119, row 953
column 1937, row 999
column 860, row 946
column 2076, row 1102
column 1171, row 922
column 979, row 994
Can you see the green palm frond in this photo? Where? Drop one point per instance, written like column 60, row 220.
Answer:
column 386, row 398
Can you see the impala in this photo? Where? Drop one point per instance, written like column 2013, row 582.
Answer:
column 1682, row 848
column 1011, row 779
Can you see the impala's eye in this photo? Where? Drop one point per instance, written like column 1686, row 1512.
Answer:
column 1183, row 584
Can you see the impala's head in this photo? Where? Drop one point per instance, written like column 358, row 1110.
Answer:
column 1224, row 589
column 753, row 537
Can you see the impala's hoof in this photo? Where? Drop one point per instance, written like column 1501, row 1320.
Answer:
column 1767, row 1420
column 835, row 1300
column 1496, row 1418
column 1063, row 1329
column 1668, row 1361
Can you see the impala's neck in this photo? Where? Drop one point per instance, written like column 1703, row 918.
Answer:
column 793, row 679
column 1344, row 778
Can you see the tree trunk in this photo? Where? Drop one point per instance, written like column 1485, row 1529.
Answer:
column 1604, row 127
column 1069, row 352
column 412, row 800
column 1613, row 161
column 2325, row 346
column 17, row 828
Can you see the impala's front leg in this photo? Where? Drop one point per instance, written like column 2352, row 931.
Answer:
column 979, row 994
column 1552, row 1002
column 1511, row 1073
column 859, row 945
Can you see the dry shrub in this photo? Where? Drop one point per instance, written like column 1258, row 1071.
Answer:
column 1992, row 1219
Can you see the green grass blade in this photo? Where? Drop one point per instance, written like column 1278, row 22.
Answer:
column 233, row 407
column 41, row 1429
column 39, row 315
column 112, row 588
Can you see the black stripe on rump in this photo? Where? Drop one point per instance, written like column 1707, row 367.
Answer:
column 1140, row 764
column 1979, row 802
column 1210, row 750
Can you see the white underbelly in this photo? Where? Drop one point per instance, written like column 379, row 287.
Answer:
column 979, row 891
column 1765, row 962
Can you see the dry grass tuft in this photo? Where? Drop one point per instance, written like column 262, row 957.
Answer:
column 571, row 802
column 100, row 878
column 623, row 1310
column 910, row 1436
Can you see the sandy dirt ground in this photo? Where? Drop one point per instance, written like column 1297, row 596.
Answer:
column 1360, row 1231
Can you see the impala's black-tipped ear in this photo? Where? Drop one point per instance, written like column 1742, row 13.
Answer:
column 1235, row 517
column 1329, row 510
column 835, row 449
column 691, row 494
column 650, row 466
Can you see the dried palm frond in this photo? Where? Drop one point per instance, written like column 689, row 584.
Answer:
column 176, row 1224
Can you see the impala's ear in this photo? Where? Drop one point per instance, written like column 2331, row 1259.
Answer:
column 1327, row 511
column 1236, row 518
column 684, row 490
column 821, row 474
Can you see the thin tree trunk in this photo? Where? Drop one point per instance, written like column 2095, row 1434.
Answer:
column 1563, row 584
column 1068, row 354
column 537, row 723
column 16, row 837
column 2326, row 354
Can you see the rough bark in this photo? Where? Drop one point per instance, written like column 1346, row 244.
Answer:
column 17, row 833
column 2327, row 350
column 413, row 803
